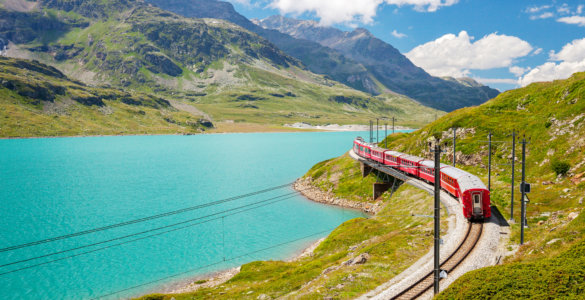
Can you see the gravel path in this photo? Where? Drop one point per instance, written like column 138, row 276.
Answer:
column 486, row 253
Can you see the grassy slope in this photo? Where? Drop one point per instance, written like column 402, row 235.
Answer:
column 219, row 62
column 37, row 100
column 393, row 239
column 552, row 116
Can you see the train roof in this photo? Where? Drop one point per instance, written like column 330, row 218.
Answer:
column 393, row 153
column 466, row 180
column 411, row 157
column 374, row 147
column 431, row 164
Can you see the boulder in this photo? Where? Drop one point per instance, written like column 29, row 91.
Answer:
column 358, row 260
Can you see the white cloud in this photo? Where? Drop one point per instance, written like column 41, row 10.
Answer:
column 564, row 9
column 575, row 20
column 544, row 15
column 537, row 51
column 454, row 55
column 518, row 71
column 397, row 34
column 580, row 9
column 535, row 9
column 349, row 11
column 571, row 59
column 423, row 5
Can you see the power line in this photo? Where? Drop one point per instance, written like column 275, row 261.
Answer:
column 140, row 220
column 137, row 239
column 212, row 264
column 287, row 196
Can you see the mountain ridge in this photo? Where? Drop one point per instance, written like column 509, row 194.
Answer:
column 386, row 63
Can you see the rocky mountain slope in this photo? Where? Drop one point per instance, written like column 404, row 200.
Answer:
column 386, row 64
column 353, row 60
column 39, row 100
column 230, row 73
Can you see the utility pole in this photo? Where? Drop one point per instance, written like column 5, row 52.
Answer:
column 370, row 131
column 523, row 191
column 512, row 181
column 490, row 161
column 454, row 142
column 377, row 131
column 437, row 270
column 386, row 135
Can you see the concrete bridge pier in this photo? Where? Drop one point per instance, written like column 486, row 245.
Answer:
column 380, row 188
column 366, row 170
column 385, row 182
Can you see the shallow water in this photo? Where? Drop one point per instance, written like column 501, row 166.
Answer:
column 51, row 187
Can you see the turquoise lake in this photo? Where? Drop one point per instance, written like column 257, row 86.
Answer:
column 56, row 186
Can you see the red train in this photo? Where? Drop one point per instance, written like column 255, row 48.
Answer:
column 470, row 190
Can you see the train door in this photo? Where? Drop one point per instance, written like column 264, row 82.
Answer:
column 476, row 204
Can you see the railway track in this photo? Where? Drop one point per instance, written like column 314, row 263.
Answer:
column 424, row 284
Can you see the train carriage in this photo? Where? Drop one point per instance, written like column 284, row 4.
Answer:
column 427, row 170
column 410, row 164
column 470, row 191
column 391, row 158
column 377, row 154
column 474, row 197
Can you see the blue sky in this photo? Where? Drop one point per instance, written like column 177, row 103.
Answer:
column 505, row 44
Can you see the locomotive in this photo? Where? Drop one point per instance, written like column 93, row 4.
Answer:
column 468, row 188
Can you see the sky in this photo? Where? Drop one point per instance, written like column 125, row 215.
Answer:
column 505, row 44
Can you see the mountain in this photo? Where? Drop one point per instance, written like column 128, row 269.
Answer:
column 206, row 67
column 386, row 64
column 39, row 100
column 318, row 59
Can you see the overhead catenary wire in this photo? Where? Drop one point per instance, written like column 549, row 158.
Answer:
column 212, row 264
column 143, row 219
column 286, row 196
column 125, row 242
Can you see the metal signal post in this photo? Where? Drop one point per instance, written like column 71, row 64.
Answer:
column 523, row 191
column 437, row 270
column 512, row 181
column 454, row 142
column 490, row 161
column 386, row 135
column 377, row 131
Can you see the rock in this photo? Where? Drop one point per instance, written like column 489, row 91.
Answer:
column 566, row 190
column 553, row 241
column 547, row 183
column 358, row 260
column 581, row 200
column 161, row 63
column 352, row 248
column 263, row 297
column 339, row 286
column 540, row 223
column 573, row 215
column 205, row 123
column 328, row 270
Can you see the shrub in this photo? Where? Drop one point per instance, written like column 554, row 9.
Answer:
column 560, row 167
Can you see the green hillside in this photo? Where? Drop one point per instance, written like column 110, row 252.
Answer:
column 552, row 117
column 38, row 100
column 212, row 65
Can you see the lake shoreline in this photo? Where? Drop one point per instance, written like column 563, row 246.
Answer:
column 309, row 192
column 286, row 128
